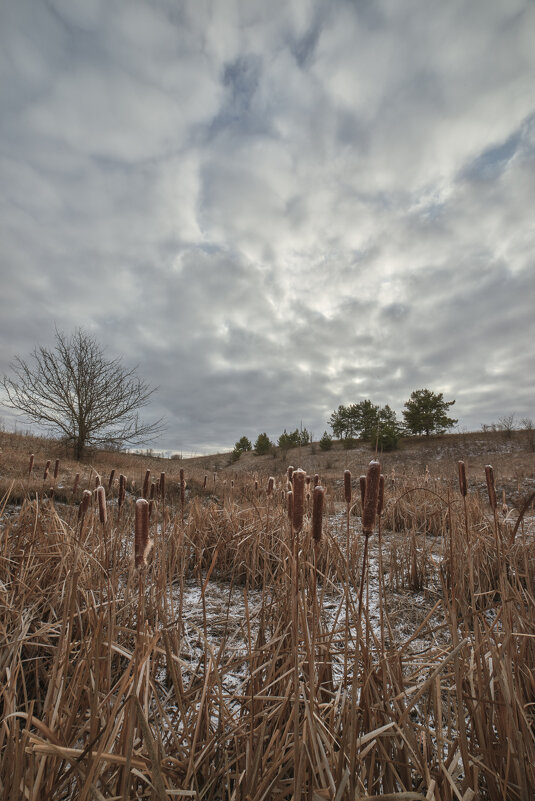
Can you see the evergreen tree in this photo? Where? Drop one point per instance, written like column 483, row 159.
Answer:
column 426, row 413
column 263, row 444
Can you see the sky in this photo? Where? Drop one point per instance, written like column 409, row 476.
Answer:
column 274, row 208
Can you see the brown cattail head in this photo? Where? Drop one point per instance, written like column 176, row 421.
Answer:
column 505, row 508
column 102, row 513
column 347, row 486
column 270, row 485
column 84, row 503
column 369, row 511
column 152, row 490
column 75, row 485
column 362, row 485
column 290, row 505
column 290, row 472
column 491, row 486
column 110, row 480
column 162, row 486
column 381, row 498
column 232, row 483
column 97, row 480
column 56, row 468
column 30, row 466
column 142, row 544
column 47, row 468
column 256, row 485
column 146, row 482
column 298, row 480
column 317, row 512
column 122, row 490
column 316, row 479
column 204, row 482
column 308, row 479
column 463, row 487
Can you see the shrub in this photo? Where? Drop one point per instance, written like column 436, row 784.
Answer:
column 326, row 442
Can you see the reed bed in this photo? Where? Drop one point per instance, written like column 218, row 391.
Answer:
column 211, row 641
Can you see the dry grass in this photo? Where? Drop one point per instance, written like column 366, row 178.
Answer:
column 238, row 664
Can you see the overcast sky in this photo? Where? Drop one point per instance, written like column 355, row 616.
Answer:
column 274, row 208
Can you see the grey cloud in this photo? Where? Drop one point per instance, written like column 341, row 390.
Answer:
column 274, row 210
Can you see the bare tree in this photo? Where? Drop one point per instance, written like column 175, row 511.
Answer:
column 76, row 391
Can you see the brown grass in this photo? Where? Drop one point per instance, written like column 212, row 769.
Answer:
column 120, row 683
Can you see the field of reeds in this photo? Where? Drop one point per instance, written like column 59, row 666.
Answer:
column 264, row 634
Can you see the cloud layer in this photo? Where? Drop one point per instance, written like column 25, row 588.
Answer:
column 274, row 208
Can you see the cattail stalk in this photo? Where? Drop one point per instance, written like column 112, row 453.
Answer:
column 142, row 543
column 317, row 512
column 362, row 485
column 347, row 486
column 369, row 511
column 298, row 480
column 102, row 512
column 122, row 490
column 84, row 505
column 463, row 486
column 491, row 487
column 347, row 496
column 183, row 491
column 145, row 492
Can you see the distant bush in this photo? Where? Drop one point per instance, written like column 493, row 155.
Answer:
column 326, row 442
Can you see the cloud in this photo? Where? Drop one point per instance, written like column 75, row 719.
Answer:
column 274, row 209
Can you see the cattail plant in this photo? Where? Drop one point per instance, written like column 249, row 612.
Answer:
column 316, row 479
column 101, row 497
column 270, row 485
column 290, row 505
column 30, row 466
column 97, row 480
column 47, row 468
column 205, row 482
column 56, row 469
column 122, row 490
column 369, row 513
column 347, row 486
column 146, row 481
column 183, row 490
column 84, row 505
column 491, row 487
column 76, row 482
column 317, row 512
column 110, row 480
column 162, row 486
column 298, row 480
column 290, row 472
column 371, row 497
column 381, row 496
column 463, row 486
column 362, row 485
column 142, row 543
